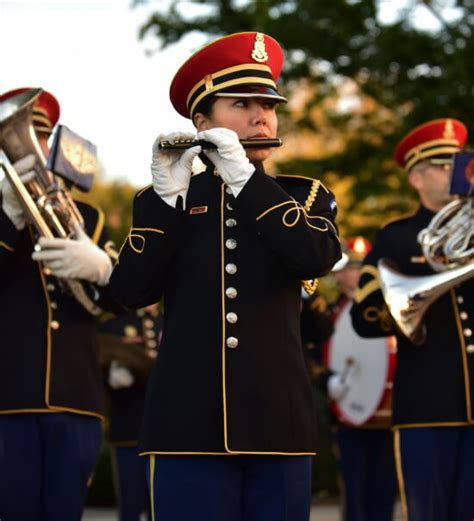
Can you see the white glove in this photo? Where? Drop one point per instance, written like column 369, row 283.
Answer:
column 119, row 376
column 337, row 389
column 77, row 258
column 171, row 170
column 230, row 158
column 10, row 202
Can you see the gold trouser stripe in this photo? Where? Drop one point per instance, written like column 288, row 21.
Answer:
column 152, row 487
column 398, row 464
column 462, row 345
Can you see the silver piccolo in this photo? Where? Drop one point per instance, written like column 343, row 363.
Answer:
column 246, row 143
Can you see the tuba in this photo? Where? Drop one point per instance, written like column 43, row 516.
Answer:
column 50, row 208
column 447, row 244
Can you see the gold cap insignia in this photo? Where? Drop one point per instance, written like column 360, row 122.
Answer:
column 259, row 54
column 449, row 130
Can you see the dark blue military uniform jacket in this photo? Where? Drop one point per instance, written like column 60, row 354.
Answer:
column 48, row 359
column 434, row 382
column 231, row 375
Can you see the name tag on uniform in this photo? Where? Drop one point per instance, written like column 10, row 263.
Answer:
column 197, row 210
column 418, row 260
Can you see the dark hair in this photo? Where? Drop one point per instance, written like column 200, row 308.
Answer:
column 205, row 106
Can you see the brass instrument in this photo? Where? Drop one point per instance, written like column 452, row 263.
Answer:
column 207, row 145
column 50, row 208
column 447, row 245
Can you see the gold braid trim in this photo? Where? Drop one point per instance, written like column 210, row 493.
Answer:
column 313, row 193
column 310, row 286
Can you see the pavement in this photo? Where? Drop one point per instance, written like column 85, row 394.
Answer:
column 319, row 512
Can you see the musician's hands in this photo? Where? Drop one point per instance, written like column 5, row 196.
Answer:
column 337, row 388
column 10, row 202
column 230, row 158
column 119, row 376
column 77, row 258
column 171, row 170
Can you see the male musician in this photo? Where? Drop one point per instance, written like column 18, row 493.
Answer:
column 129, row 346
column 228, row 413
column 364, row 454
column 50, row 382
column 433, row 396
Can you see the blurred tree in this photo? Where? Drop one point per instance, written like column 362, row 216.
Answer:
column 366, row 80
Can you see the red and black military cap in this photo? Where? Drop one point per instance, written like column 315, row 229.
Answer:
column 239, row 65
column 46, row 109
column 435, row 140
column 354, row 251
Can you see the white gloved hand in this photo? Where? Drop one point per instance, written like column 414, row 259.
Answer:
column 77, row 258
column 171, row 170
column 337, row 389
column 119, row 376
column 230, row 158
column 10, row 203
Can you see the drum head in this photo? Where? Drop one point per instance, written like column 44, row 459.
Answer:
column 370, row 375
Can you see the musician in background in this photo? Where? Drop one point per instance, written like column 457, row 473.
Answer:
column 51, row 392
column 433, row 395
column 129, row 346
column 364, row 454
column 229, row 409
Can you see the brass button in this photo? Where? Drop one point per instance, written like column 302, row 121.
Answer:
column 150, row 333
column 232, row 318
column 229, row 206
column 231, row 268
column 463, row 315
column 470, row 348
column 46, row 271
column 231, row 244
column 54, row 305
column 230, row 223
column 232, row 342
column 467, row 332
column 50, row 287
column 151, row 343
column 231, row 292
column 148, row 322
column 460, row 299
column 54, row 324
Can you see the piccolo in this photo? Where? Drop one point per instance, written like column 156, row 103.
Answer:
column 246, row 143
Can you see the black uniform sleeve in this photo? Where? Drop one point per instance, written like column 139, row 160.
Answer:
column 139, row 275
column 9, row 236
column 302, row 233
column 369, row 313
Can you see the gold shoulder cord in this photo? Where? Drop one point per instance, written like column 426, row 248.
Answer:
column 310, row 286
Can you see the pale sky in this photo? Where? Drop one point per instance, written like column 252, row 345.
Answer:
column 87, row 53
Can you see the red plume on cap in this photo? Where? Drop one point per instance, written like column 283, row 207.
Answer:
column 45, row 111
column 437, row 138
column 241, row 64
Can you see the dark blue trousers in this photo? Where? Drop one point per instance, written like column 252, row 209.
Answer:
column 46, row 461
column 130, row 483
column 367, row 468
column 436, row 472
column 230, row 488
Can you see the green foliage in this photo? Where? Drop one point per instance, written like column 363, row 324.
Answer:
column 409, row 75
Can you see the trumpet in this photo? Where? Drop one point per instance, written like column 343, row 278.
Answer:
column 207, row 145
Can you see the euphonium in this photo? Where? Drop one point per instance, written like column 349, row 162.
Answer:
column 447, row 245
column 50, row 208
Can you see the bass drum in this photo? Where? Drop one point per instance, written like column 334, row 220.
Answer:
column 367, row 366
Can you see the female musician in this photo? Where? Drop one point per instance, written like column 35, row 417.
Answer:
column 228, row 422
